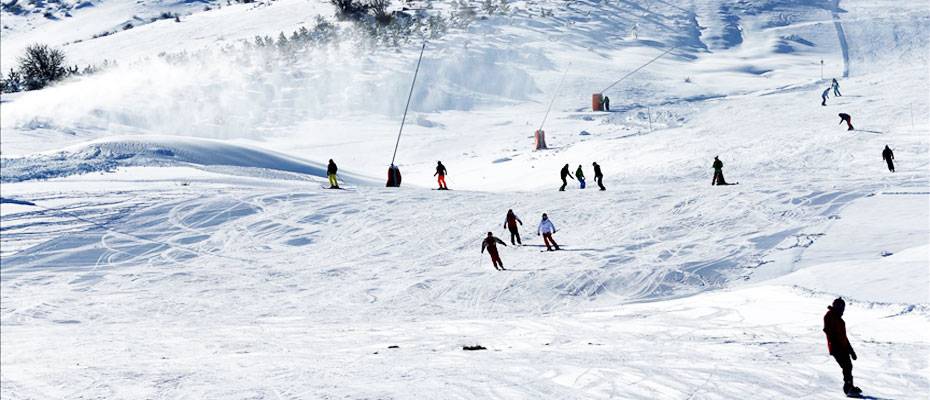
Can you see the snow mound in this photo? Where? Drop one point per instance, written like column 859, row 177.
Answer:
column 123, row 151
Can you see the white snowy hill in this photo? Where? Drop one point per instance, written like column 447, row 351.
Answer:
column 165, row 234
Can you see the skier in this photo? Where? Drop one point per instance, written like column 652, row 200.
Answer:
column 580, row 175
column 718, row 173
column 441, row 172
column 510, row 222
column 331, row 172
column 546, row 229
column 838, row 344
column 824, row 96
column 888, row 156
column 606, row 103
column 847, row 119
column 393, row 176
column 598, row 176
column 490, row 243
column 565, row 174
column 836, row 88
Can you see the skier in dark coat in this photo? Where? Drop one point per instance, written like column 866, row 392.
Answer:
column 847, row 119
column 606, row 103
column 510, row 222
column 836, row 88
column 718, row 173
column 888, row 156
column 824, row 96
column 565, row 173
column 838, row 344
column 331, row 173
column 441, row 173
column 393, row 176
column 490, row 243
column 598, row 176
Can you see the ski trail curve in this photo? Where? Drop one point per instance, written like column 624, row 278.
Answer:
column 842, row 36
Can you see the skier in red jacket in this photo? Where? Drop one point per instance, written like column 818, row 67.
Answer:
column 838, row 344
column 490, row 243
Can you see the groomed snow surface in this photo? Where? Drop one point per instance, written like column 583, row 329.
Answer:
column 165, row 233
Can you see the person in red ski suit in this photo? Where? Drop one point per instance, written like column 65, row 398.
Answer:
column 441, row 173
column 490, row 243
column 838, row 344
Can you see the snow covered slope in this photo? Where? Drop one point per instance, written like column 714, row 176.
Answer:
column 164, row 233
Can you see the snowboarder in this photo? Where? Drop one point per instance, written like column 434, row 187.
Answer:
column 510, row 222
column 598, row 176
column 490, row 243
column 847, row 119
column 565, row 174
column 838, row 344
column 718, row 173
column 441, row 173
column 888, row 156
column 580, row 175
column 393, row 176
column 331, row 172
column 546, row 229
column 836, row 88
column 606, row 103
column 824, row 96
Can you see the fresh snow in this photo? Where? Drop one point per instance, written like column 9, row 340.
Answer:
column 165, row 232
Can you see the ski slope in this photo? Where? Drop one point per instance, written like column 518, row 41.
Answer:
column 165, row 233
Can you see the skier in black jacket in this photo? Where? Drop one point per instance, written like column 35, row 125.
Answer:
column 598, row 176
column 331, row 173
column 888, row 156
column 565, row 173
column 441, row 173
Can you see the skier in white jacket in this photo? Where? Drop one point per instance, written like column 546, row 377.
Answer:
column 546, row 229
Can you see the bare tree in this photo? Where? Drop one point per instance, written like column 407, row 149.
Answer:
column 41, row 66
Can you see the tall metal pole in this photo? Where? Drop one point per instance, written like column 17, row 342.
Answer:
column 821, row 69
column 409, row 96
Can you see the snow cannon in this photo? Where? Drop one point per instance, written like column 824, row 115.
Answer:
column 597, row 102
column 540, row 139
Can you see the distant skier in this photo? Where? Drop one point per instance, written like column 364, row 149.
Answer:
column 824, row 96
column 580, row 175
column 847, row 119
column 598, row 176
column 836, row 88
column 565, row 174
column 441, row 173
column 331, row 172
column 490, row 243
column 546, row 229
column 510, row 222
column 838, row 344
column 606, row 103
column 718, row 173
column 888, row 156
column 393, row 176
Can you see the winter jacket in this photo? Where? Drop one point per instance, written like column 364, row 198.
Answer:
column 887, row 154
column 440, row 170
column 597, row 171
column 826, row 93
column 331, row 169
column 718, row 165
column 565, row 172
column 511, row 221
column 490, row 243
column 579, row 173
column 835, row 329
column 546, row 226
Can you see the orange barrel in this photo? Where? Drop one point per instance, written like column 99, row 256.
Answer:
column 597, row 102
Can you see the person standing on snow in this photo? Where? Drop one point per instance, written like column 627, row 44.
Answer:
column 580, row 175
column 606, row 103
column 565, row 174
column 490, row 243
column 598, row 176
column 824, row 96
column 847, row 119
column 718, row 173
column 838, row 344
column 888, row 156
column 546, row 229
column 331, row 173
column 510, row 222
column 441, row 172
column 836, row 88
